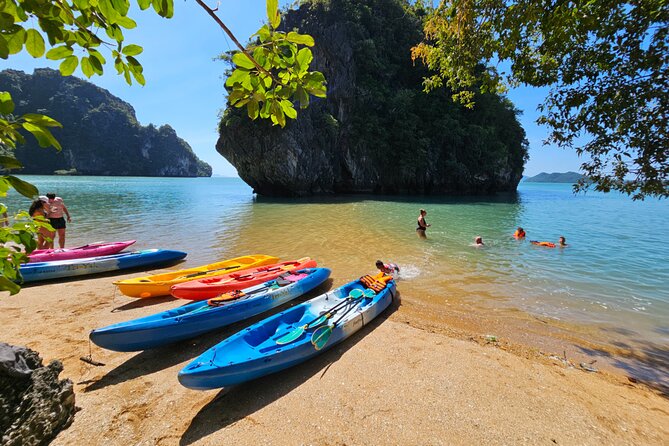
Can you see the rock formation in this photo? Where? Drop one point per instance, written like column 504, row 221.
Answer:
column 34, row 404
column 100, row 134
column 377, row 131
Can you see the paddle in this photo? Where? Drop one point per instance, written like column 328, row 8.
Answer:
column 355, row 293
column 244, row 276
column 321, row 335
column 201, row 273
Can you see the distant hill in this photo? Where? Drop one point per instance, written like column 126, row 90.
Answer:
column 555, row 177
column 100, row 134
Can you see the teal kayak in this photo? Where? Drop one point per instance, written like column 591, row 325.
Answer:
column 289, row 337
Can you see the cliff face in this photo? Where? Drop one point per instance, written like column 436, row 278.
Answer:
column 100, row 134
column 376, row 132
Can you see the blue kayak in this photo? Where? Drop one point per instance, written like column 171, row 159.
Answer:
column 58, row 269
column 289, row 337
column 202, row 316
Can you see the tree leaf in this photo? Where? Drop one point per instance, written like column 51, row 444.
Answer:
column 242, row 60
column 9, row 162
column 35, row 43
column 15, row 41
column 302, row 96
column 237, row 76
column 126, row 22
column 132, row 50
column 6, row 103
column 304, row 58
column 288, row 109
column 68, row 66
column 23, row 187
column 41, row 120
column 4, row 49
column 8, row 285
column 86, row 67
column 273, row 13
column 144, row 4
column 42, row 134
column 301, row 39
column 59, row 52
column 252, row 109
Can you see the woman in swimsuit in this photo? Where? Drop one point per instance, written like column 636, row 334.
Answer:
column 37, row 209
column 422, row 225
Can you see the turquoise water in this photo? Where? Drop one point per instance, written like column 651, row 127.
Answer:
column 615, row 271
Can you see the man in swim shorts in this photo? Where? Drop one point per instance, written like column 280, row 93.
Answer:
column 56, row 208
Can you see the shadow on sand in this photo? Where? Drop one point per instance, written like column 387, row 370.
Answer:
column 140, row 303
column 154, row 360
column 641, row 360
column 235, row 403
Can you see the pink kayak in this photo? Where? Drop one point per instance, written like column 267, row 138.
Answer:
column 80, row 252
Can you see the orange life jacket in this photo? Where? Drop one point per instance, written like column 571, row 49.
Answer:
column 376, row 283
column 518, row 234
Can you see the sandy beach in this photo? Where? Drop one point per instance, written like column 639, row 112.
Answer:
column 405, row 379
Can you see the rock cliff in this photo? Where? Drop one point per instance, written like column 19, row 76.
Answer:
column 100, row 134
column 377, row 131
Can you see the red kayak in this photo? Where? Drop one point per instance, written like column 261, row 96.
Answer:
column 80, row 252
column 215, row 286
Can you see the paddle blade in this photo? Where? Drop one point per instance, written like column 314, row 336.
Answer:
column 369, row 292
column 321, row 336
column 292, row 336
column 319, row 321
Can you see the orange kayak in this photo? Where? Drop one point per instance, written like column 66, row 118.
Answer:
column 215, row 286
column 546, row 244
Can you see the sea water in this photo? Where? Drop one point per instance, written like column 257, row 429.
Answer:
column 614, row 272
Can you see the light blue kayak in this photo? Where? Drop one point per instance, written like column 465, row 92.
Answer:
column 287, row 338
column 200, row 317
column 33, row 272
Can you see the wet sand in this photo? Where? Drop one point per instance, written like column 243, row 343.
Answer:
column 420, row 374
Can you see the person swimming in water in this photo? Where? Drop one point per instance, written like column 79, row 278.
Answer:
column 520, row 233
column 478, row 241
column 387, row 268
column 562, row 241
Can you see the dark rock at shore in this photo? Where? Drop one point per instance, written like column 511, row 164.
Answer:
column 100, row 134
column 34, row 404
column 377, row 131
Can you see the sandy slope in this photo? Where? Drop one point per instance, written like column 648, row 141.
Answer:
column 392, row 383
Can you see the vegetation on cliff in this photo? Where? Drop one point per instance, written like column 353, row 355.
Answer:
column 100, row 133
column 376, row 131
column 606, row 64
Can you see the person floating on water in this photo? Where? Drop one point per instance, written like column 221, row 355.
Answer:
column 520, row 233
column 562, row 242
column 56, row 208
column 478, row 241
column 422, row 224
column 387, row 268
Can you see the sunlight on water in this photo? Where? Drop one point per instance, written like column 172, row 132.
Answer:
column 615, row 270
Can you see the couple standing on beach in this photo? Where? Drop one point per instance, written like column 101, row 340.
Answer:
column 52, row 208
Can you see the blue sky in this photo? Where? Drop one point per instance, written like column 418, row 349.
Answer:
column 184, row 85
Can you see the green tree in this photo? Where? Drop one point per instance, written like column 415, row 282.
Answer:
column 606, row 63
column 267, row 79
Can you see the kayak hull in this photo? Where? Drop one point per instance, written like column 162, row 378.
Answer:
column 215, row 286
column 33, row 272
column 198, row 317
column 253, row 352
column 159, row 284
column 91, row 250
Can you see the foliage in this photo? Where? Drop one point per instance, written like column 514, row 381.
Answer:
column 273, row 73
column 607, row 63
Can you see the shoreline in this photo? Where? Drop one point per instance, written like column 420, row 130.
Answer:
column 414, row 376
